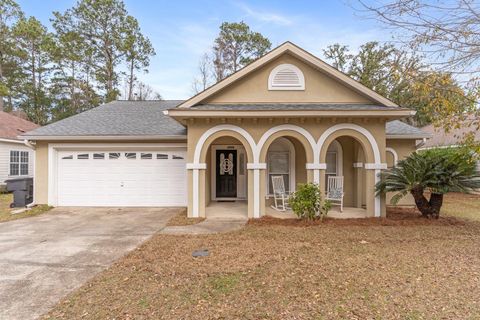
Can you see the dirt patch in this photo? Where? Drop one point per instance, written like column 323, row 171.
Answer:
column 396, row 216
column 181, row 219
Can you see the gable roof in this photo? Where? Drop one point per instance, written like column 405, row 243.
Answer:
column 401, row 130
column 146, row 119
column 12, row 126
column 127, row 119
column 300, row 53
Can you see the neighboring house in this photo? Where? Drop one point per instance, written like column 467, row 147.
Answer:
column 453, row 138
column 16, row 159
column 440, row 138
column 287, row 113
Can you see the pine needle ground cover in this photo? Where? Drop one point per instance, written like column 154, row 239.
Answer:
column 402, row 267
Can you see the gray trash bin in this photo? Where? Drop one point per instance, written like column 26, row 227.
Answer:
column 22, row 189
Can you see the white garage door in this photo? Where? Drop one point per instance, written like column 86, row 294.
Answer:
column 122, row 178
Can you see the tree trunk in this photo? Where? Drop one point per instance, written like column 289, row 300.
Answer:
column 436, row 201
column 421, row 202
column 1, row 79
column 130, row 81
column 428, row 208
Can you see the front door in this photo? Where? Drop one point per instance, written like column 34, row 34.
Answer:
column 226, row 173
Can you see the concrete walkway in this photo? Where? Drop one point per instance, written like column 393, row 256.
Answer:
column 208, row 226
column 44, row 258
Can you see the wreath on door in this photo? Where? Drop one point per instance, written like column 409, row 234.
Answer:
column 226, row 164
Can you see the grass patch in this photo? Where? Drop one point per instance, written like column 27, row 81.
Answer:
column 181, row 219
column 6, row 211
column 143, row 303
column 224, row 283
column 465, row 206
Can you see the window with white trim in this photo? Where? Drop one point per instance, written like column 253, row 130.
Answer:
column 278, row 164
column 114, row 155
column 19, row 163
column 286, row 77
column 331, row 161
column 130, row 155
column 334, row 160
column 390, row 159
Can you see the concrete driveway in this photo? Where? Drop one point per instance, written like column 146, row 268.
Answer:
column 44, row 258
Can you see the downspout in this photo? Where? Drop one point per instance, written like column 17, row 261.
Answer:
column 421, row 143
column 31, row 146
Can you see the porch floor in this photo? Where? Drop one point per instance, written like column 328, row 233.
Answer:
column 237, row 210
column 348, row 213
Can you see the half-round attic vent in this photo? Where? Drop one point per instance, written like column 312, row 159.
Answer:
column 286, row 77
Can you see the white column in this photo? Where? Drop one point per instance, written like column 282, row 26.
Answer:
column 196, row 167
column 378, row 167
column 316, row 167
column 316, row 176
column 196, row 190
column 256, row 167
column 256, row 193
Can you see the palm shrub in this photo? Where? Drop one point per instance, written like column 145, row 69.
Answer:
column 434, row 172
column 307, row 202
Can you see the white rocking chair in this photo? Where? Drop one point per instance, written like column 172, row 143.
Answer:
column 280, row 196
column 335, row 191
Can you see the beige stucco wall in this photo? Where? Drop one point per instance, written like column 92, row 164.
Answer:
column 319, row 88
column 41, row 173
column 256, row 128
column 403, row 147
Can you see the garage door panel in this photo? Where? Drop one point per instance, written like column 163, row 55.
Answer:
column 122, row 181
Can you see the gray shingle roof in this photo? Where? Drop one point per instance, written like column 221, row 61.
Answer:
column 118, row 118
column 146, row 118
column 282, row 107
column 399, row 128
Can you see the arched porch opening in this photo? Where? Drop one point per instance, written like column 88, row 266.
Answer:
column 360, row 154
column 345, row 158
column 286, row 154
column 224, row 185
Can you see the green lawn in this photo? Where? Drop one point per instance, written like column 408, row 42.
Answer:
column 464, row 206
column 6, row 211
